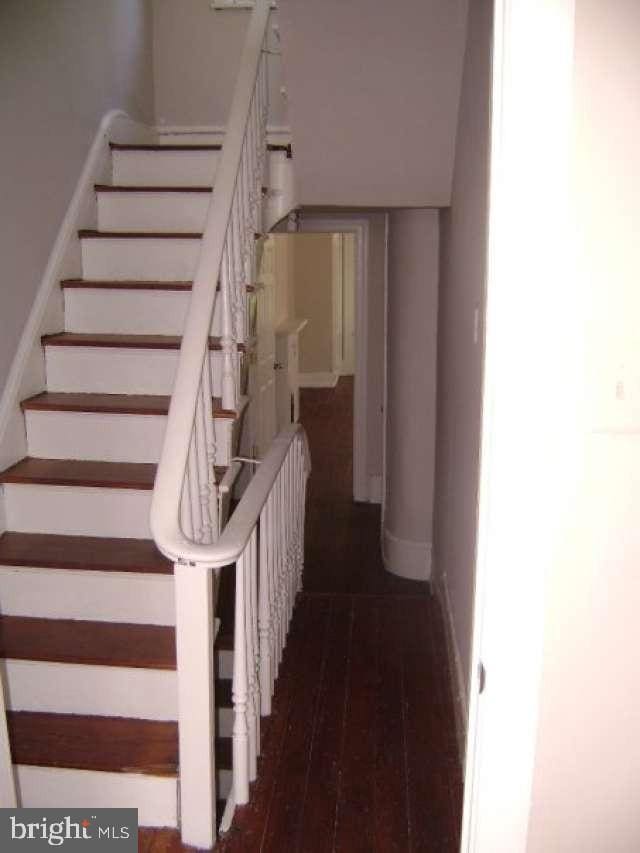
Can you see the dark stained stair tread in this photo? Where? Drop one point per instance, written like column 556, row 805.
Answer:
column 119, row 146
column 88, row 643
column 81, row 339
column 83, row 742
column 100, row 284
column 82, row 553
column 111, row 744
column 92, row 233
column 74, row 472
column 120, row 188
column 118, row 284
column 123, row 404
column 81, row 472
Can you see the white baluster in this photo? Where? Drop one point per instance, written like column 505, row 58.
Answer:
column 210, row 440
column 264, row 615
column 240, row 691
column 255, row 669
column 202, row 462
column 228, row 343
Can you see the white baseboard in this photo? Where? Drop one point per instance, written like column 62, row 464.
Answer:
column 27, row 375
column 405, row 557
column 317, row 380
column 456, row 674
column 213, row 134
column 375, row 488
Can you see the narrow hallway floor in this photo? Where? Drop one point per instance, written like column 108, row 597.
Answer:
column 360, row 751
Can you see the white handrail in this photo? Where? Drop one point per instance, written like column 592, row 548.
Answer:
column 184, row 503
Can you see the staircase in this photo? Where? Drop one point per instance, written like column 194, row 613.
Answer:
column 136, row 675
column 87, row 628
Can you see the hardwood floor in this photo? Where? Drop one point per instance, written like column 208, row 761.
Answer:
column 360, row 752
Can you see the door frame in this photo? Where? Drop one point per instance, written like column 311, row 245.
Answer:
column 359, row 227
column 531, row 300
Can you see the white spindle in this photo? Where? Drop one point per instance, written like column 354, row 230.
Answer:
column 240, row 690
column 264, row 614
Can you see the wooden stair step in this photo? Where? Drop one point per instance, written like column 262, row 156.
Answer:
column 125, row 188
column 87, row 643
column 119, row 404
column 75, row 472
column 82, row 553
column 119, row 146
column 83, row 339
column 93, row 234
column 81, row 472
column 110, row 744
column 102, row 284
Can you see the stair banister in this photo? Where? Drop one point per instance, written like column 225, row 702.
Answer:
column 178, row 502
column 260, row 538
column 267, row 578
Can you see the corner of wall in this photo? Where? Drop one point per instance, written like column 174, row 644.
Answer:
column 456, row 674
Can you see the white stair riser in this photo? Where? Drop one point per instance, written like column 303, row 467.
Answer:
column 78, row 510
column 130, row 597
column 109, row 370
column 155, row 797
column 165, row 168
column 107, row 691
column 107, row 437
column 157, row 211
column 129, row 312
column 139, row 259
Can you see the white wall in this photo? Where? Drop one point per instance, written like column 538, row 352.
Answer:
column 63, row 65
column 373, row 98
column 196, row 60
column 412, row 323
column 460, row 349
column 587, row 770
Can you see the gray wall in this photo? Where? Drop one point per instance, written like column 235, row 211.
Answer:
column 412, row 324
column 63, row 64
column 463, row 248
column 197, row 59
column 373, row 98
column 587, row 765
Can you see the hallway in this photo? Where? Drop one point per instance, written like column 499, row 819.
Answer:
column 360, row 751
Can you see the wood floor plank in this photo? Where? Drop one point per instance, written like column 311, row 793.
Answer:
column 316, row 832
column 429, row 759
column 355, row 824
column 391, row 815
column 288, row 803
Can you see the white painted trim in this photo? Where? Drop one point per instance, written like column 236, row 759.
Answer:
column 276, row 134
column 360, row 228
column 317, row 380
column 518, row 512
column 457, row 676
column 375, row 488
column 26, row 375
column 405, row 557
column 8, row 794
column 385, row 380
